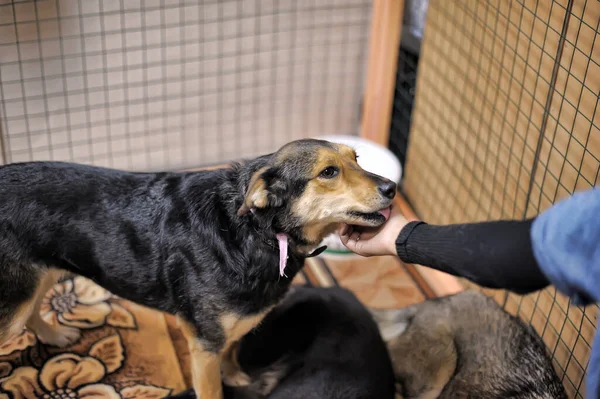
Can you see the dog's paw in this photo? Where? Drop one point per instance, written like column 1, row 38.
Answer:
column 60, row 336
column 237, row 379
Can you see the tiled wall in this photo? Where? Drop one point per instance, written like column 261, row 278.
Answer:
column 153, row 84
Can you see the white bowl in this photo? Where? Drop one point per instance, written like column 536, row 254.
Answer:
column 373, row 158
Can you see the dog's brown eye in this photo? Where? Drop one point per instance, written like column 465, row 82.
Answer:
column 329, row 172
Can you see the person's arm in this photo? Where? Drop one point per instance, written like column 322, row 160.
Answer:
column 491, row 254
column 566, row 243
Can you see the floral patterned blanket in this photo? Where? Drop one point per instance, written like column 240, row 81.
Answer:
column 125, row 350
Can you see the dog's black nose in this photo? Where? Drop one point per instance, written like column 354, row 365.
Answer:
column 388, row 189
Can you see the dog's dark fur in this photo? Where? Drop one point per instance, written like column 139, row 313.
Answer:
column 466, row 346
column 200, row 245
column 322, row 343
column 318, row 343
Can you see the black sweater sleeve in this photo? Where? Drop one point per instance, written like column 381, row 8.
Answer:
column 491, row 254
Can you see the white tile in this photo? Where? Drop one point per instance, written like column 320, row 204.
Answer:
column 89, row 7
column 27, row 31
column 172, row 16
column 31, row 69
column 48, row 29
column 229, row 46
column 117, row 113
column 98, row 115
column 72, row 46
column 10, row 72
column 192, row 31
column 51, row 50
column 132, row 5
column 46, row 9
column 136, row 93
column 78, row 118
column 133, row 21
column 135, row 76
column 114, row 60
column 57, row 121
column 192, row 51
column 24, row 12
column 174, row 53
column 68, row 7
column 211, row 31
column 192, row 13
column 7, row 35
column 230, row 28
column 134, row 40
column 111, row 5
column 152, row 18
column 91, row 24
column 113, row 22
column 248, row 27
column 136, row 110
column 33, row 88
column 6, row 15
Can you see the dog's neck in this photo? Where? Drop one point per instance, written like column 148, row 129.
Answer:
column 266, row 220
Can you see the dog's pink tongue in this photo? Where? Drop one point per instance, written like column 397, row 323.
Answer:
column 386, row 212
column 282, row 239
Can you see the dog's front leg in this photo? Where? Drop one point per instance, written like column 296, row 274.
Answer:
column 231, row 371
column 206, row 372
column 235, row 327
column 205, row 364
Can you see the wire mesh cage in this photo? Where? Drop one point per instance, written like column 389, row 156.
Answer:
column 506, row 123
column 156, row 84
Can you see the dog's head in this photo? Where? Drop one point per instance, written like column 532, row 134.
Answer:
column 309, row 187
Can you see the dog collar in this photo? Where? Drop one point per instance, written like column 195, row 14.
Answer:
column 283, row 242
column 317, row 252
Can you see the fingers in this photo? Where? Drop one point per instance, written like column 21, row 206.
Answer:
column 351, row 239
column 344, row 230
column 355, row 236
column 344, row 233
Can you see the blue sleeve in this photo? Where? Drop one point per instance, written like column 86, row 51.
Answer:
column 566, row 245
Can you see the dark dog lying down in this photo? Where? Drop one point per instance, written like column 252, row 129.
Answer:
column 466, row 346
column 318, row 343
column 322, row 343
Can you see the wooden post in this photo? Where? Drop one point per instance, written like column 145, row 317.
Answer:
column 384, row 41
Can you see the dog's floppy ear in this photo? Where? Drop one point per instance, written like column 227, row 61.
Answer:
column 257, row 195
column 265, row 189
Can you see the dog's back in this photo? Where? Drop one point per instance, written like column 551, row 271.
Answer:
column 466, row 346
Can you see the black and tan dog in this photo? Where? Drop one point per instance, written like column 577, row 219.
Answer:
column 217, row 248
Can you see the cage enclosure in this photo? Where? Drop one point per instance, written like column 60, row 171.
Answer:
column 162, row 84
column 491, row 106
column 505, row 123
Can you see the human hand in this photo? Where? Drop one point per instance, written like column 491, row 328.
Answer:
column 367, row 241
